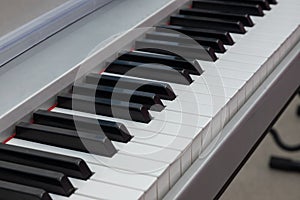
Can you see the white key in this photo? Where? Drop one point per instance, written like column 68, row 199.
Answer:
column 169, row 156
column 154, row 126
column 131, row 164
column 72, row 197
column 96, row 189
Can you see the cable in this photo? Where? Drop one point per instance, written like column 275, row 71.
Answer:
column 281, row 144
column 284, row 164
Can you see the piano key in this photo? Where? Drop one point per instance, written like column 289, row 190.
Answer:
column 150, row 100
column 194, row 88
column 102, row 190
column 263, row 49
column 113, row 130
column 272, row 1
column 128, row 163
column 212, row 81
column 163, row 90
column 72, row 197
column 70, row 166
column 156, row 153
column 150, row 151
column 230, row 7
column 168, row 118
column 175, row 61
column 126, row 179
column 50, row 181
column 263, row 3
column 216, row 44
column 185, row 125
column 77, row 140
column 187, row 51
column 119, row 109
column 190, row 31
column 150, row 71
column 119, row 161
column 244, row 18
column 234, row 26
column 227, row 73
column 13, row 191
column 133, row 64
column 146, row 136
column 66, row 121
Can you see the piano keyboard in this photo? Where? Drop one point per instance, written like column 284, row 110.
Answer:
column 174, row 112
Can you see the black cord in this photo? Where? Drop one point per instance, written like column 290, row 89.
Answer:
column 284, row 164
column 281, row 144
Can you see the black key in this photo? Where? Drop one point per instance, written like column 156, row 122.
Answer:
column 150, row 71
column 107, row 107
column 70, row 166
column 230, row 7
column 13, row 191
column 163, row 90
column 263, row 3
column 209, row 23
column 272, row 1
column 80, row 141
column 216, row 44
column 170, row 48
column 113, row 130
column 134, row 63
column 149, row 100
column 50, row 181
column 175, row 61
column 244, row 18
column 190, row 31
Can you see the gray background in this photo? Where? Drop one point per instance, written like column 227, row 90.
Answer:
column 15, row 13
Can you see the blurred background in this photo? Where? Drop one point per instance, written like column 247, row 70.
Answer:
column 256, row 181
column 26, row 10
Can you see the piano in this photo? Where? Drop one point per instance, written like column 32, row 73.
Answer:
column 169, row 105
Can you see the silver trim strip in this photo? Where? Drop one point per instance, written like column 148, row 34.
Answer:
column 33, row 32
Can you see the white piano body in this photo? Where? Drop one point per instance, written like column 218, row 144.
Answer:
column 269, row 51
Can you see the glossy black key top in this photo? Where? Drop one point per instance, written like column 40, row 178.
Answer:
column 190, row 31
column 263, row 3
column 113, row 130
column 133, row 63
column 216, row 44
column 244, row 18
column 70, row 166
column 107, row 107
column 96, row 143
column 13, row 191
column 150, row 100
column 150, row 71
column 272, row 1
column 169, row 60
column 230, row 7
column 50, row 181
column 186, row 51
column 209, row 23
column 163, row 90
